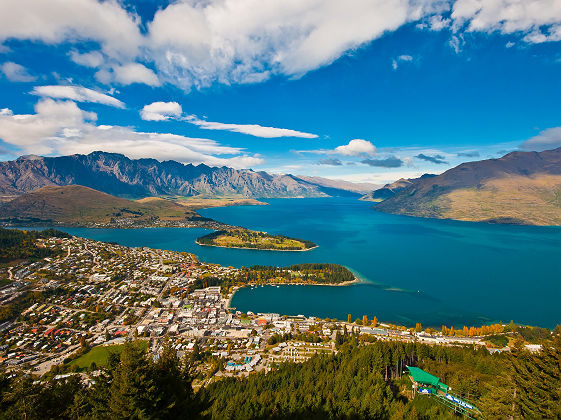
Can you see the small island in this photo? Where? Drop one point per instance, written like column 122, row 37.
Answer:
column 244, row 238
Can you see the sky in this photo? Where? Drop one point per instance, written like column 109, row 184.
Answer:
column 360, row 90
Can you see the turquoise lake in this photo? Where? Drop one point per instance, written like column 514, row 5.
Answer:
column 414, row 270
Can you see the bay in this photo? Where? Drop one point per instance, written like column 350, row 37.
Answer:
column 413, row 270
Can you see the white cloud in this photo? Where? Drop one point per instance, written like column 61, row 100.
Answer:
column 539, row 19
column 456, row 43
column 545, row 140
column 91, row 59
column 197, row 43
column 16, row 73
column 77, row 93
column 127, row 74
column 135, row 73
column 404, row 58
column 36, row 133
column 251, row 129
column 437, row 23
column 160, row 111
column 246, row 41
column 356, row 147
column 57, row 21
column 63, row 128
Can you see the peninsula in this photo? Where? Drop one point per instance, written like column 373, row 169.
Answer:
column 243, row 238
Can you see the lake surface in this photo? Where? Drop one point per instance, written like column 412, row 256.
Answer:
column 414, row 270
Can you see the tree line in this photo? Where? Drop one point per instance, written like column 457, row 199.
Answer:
column 359, row 382
column 19, row 244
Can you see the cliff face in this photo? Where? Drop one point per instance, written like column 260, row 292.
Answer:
column 520, row 187
column 118, row 175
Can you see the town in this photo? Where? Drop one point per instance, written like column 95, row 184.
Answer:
column 75, row 307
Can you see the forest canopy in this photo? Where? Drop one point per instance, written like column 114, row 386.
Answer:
column 21, row 244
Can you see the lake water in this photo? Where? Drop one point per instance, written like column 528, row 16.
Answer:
column 414, row 270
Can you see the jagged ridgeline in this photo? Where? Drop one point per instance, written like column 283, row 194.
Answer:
column 120, row 176
column 19, row 244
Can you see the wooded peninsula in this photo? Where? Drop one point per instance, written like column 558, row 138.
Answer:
column 244, row 238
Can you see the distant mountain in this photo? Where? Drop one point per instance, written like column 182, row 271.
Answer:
column 520, row 187
column 75, row 204
column 338, row 187
column 118, row 175
column 389, row 190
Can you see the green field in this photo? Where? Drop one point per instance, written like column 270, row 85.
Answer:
column 100, row 355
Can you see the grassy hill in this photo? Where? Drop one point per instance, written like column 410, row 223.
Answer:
column 520, row 188
column 78, row 204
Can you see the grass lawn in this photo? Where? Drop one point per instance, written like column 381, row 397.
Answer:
column 100, row 354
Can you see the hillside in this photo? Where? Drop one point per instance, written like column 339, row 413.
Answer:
column 18, row 244
column 118, row 175
column 338, row 187
column 520, row 188
column 389, row 190
column 76, row 204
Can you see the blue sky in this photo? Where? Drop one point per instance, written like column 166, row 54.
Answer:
column 363, row 90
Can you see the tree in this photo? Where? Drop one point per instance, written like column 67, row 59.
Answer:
column 127, row 397
column 364, row 320
column 349, row 318
column 418, row 327
column 375, row 322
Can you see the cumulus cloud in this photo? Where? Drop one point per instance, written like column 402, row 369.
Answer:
column 540, row 20
column 248, row 40
column 16, row 73
column 127, row 74
column 76, row 93
column 161, row 111
column 61, row 127
column 389, row 162
column 356, row 147
column 91, row 59
column 437, row 159
column 135, row 73
column 545, row 140
column 57, row 21
column 251, row 129
column 330, row 162
column 199, row 43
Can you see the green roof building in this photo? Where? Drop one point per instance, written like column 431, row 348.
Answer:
column 427, row 380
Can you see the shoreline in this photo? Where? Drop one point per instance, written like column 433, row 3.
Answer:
column 258, row 249
column 342, row 284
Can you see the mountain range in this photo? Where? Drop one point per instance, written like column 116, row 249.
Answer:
column 389, row 190
column 519, row 188
column 118, row 175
